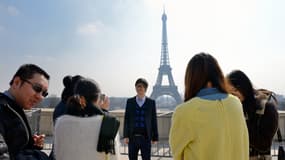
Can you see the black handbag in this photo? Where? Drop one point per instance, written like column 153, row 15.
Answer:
column 281, row 152
column 109, row 128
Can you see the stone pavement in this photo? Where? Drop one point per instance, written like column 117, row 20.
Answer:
column 125, row 157
column 48, row 145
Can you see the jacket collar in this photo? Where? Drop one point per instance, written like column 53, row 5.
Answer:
column 211, row 94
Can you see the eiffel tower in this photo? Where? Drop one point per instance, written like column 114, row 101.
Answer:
column 160, row 89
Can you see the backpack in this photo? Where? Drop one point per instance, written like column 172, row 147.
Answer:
column 270, row 96
column 264, row 96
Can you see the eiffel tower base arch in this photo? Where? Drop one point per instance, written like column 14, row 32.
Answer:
column 166, row 90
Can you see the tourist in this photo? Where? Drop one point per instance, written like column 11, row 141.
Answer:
column 140, row 125
column 84, row 132
column 69, row 83
column 209, row 125
column 28, row 87
column 261, row 115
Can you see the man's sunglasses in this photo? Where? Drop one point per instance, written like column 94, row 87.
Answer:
column 37, row 88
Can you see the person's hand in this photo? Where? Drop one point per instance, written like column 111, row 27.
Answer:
column 126, row 140
column 154, row 142
column 39, row 140
column 105, row 103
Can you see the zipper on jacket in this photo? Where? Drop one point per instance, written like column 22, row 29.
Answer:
column 26, row 129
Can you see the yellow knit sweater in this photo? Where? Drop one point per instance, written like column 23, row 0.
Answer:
column 209, row 130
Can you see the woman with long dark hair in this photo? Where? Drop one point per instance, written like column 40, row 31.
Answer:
column 69, row 83
column 85, row 132
column 261, row 115
column 210, row 123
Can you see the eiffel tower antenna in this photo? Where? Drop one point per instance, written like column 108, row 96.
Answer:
column 165, row 70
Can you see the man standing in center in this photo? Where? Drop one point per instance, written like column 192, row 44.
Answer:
column 140, row 125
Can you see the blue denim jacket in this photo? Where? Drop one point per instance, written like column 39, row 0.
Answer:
column 211, row 94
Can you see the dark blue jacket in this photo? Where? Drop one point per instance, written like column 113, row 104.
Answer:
column 150, row 118
column 59, row 110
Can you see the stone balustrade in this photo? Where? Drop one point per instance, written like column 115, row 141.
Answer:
column 163, row 118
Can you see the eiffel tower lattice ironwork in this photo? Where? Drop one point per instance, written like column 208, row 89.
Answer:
column 160, row 89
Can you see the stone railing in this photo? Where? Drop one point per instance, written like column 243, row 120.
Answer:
column 163, row 118
column 34, row 117
column 46, row 123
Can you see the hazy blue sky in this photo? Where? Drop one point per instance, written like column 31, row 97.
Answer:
column 117, row 41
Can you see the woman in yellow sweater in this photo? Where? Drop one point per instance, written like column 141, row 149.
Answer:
column 209, row 125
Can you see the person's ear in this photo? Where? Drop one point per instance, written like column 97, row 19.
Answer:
column 17, row 82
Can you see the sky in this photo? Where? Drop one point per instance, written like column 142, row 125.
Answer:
column 117, row 41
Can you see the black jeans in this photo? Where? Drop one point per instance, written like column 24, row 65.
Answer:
column 139, row 143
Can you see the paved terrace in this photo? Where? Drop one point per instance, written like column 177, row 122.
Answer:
column 159, row 152
column 156, row 151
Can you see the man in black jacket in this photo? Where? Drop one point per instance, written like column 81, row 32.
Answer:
column 28, row 87
column 140, row 125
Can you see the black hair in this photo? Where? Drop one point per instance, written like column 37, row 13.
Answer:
column 27, row 71
column 76, row 105
column 81, row 103
column 87, row 88
column 243, row 84
column 69, row 83
column 142, row 81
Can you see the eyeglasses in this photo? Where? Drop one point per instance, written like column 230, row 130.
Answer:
column 37, row 88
